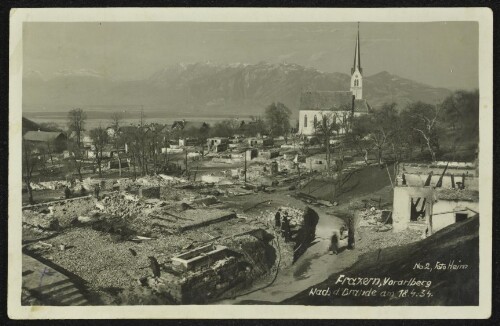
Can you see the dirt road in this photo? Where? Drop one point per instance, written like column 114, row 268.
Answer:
column 313, row 267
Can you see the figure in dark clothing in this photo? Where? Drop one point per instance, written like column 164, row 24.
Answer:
column 277, row 219
column 67, row 192
column 285, row 229
column 97, row 189
column 83, row 192
column 334, row 245
column 155, row 266
column 350, row 234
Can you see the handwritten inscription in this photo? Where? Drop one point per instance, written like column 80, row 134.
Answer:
column 45, row 272
column 377, row 281
column 452, row 265
column 345, row 286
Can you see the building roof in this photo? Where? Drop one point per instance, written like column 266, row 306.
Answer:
column 42, row 136
column 335, row 101
column 457, row 194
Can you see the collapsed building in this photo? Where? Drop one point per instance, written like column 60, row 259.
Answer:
column 217, row 144
column 165, row 234
column 431, row 197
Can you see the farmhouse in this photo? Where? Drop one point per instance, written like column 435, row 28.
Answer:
column 53, row 139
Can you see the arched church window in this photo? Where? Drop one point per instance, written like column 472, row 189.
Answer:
column 305, row 120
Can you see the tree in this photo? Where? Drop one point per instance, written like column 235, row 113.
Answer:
column 278, row 120
column 460, row 113
column 358, row 138
column 424, row 119
column 30, row 161
column 141, row 135
column 256, row 126
column 116, row 120
column 131, row 139
column 76, row 123
column 225, row 128
column 341, row 174
column 75, row 161
column 325, row 129
column 383, row 123
column 100, row 139
column 155, row 141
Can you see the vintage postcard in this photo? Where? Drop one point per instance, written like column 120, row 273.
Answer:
column 250, row 163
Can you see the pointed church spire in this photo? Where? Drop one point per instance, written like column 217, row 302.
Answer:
column 357, row 71
column 357, row 56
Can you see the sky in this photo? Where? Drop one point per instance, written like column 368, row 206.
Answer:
column 441, row 54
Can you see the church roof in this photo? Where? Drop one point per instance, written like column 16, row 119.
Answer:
column 335, row 101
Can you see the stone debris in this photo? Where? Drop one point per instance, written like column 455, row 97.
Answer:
column 295, row 215
column 50, row 185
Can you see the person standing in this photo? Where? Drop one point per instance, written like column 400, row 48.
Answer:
column 277, row 219
column 334, row 244
column 67, row 192
column 97, row 189
column 285, row 227
column 350, row 233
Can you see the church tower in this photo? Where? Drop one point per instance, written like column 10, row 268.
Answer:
column 356, row 72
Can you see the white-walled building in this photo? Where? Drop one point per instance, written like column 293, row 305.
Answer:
column 339, row 105
column 429, row 199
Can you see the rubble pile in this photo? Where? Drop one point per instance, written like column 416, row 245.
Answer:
column 372, row 226
column 58, row 215
column 49, row 185
column 369, row 217
column 369, row 240
column 375, row 218
column 41, row 220
column 295, row 215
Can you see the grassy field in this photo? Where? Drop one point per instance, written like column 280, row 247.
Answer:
column 366, row 181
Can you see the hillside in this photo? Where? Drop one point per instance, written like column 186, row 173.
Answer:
column 213, row 89
column 458, row 242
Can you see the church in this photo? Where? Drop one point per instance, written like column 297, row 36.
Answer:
column 336, row 104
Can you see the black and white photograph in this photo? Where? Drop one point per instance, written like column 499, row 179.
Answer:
column 294, row 163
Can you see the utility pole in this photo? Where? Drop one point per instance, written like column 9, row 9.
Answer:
column 186, row 161
column 245, row 166
column 141, row 133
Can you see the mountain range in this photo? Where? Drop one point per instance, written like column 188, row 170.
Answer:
column 205, row 88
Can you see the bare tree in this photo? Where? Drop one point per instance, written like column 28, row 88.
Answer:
column 116, row 120
column 100, row 138
column 358, row 139
column 155, row 141
column 383, row 124
column 424, row 120
column 30, row 161
column 76, row 123
column 132, row 141
column 341, row 174
column 75, row 161
column 325, row 129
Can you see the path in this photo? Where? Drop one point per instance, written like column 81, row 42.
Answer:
column 313, row 267
column 54, row 288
